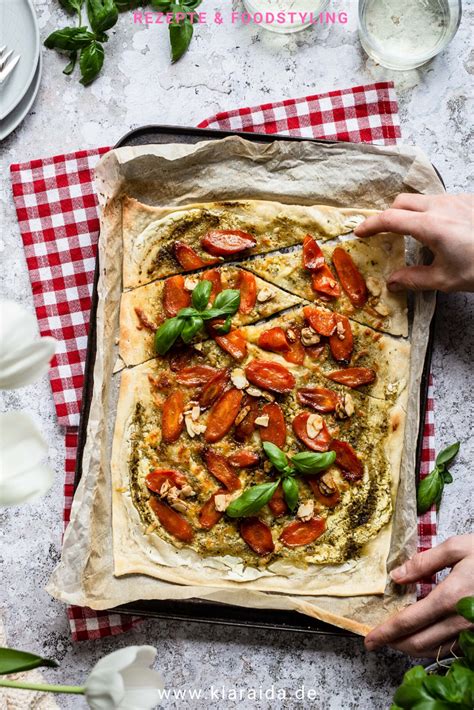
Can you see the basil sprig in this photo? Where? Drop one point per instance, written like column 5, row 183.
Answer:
column 453, row 689
column 102, row 16
column 430, row 489
column 190, row 321
column 305, row 463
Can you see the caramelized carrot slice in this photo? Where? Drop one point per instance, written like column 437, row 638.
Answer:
column 318, row 443
column 172, row 419
column 221, row 469
column 347, row 460
column 248, row 292
column 257, row 535
column 172, row 521
column 320, row 319
column 245, row 428
column 351, row 279
column 353, row 376
column 156, row 478
column 277, row 503
column 215, row 278
column 190, row 259
column 244, row 459
column 275, row 432
column 274, row 340
column 313, row 257
column 303, row 533
column 208, row 515
column 227, row 242
column 196, row 375
column 329, row 501
column 324, row 283
column 175, row 296
column 297, row 352
column 341, row 341
column 234, row 343
column 213, row 388
column 319, row 398
column 222, row 415
column 270, row 376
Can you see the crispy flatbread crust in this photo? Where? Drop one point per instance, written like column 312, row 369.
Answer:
column 137, row 550
column 136, row 339
column 376, row 257
column 149, row 233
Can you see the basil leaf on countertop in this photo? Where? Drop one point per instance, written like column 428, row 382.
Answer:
column 308, row 463
column 181, row 34
column 69, row 68
column 14, row 661
column 447, row 455
column 69, row 39
column 291, row 491
column 430, row 490
column 162, row 5
column 90, row 62
column 191, row 327
column 102, row 14
column 278, row 457
column 465, row 607
column 227, row 301
column 201, row 295
column 72, row 5
column 167, row 334
column 124, row 5
column 252, row 500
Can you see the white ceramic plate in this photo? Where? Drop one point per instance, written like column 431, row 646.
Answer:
column 16, row 116
column 19, row 31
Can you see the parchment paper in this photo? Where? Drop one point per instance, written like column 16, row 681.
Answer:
column 348, row 175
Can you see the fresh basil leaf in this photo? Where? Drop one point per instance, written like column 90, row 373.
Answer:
column 291, row 491
column 447, row 478
column 308, row 463
column 465, row 607
column 72, row 5
column 69, row 39
column 466, row 642
column 447, row 455
column 212, row 313
column 102, row 14
column 124, row 5
column 163, row 5
column 228, row 301
column 430, row 490
column 278, row 457
column 13, row 661
column 187, row 313
column 225, row 327
column 252, row 500
column 90, row 62
column 191, row 327
column 167, row 334
column 180, row 37
column 459, row 686
column 201, row 295
column 69, row 68
column 191, row 4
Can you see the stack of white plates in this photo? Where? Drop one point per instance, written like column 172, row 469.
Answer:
column 19, row 34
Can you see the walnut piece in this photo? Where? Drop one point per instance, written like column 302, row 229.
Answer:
column 314, row 424
column 305, row 510
column 190, row 283
column 309, row 336
column 265, row 294
column 238, row 378
column 262, row 420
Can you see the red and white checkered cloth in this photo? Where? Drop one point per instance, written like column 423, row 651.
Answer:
column 58, row 218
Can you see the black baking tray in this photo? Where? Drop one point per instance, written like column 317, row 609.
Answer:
column 195, row 609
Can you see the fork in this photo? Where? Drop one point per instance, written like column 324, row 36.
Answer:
column 7, row 63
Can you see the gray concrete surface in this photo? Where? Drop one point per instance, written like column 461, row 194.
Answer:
column 226, row 68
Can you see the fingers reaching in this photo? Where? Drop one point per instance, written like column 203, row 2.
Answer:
column 393, row 220
column 424, row 564
column 416, row 278
column 412, row 201
column 432, row 637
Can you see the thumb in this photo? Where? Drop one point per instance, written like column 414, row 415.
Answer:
column 415, row 278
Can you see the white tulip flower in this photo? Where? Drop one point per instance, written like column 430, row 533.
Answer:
column 23, row 476
column 123, row 680
column 23, row 356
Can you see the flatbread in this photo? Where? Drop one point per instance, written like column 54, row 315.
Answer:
column 149, row 233
column 141, row 312
column 376, row 258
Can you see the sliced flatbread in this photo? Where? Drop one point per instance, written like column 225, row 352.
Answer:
column 149, row 233
column 141, row 311
column 376, row 258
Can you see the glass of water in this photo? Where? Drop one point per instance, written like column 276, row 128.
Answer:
column 297, row 14
column 404, row 34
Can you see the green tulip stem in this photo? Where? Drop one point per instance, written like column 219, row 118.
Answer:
column 44, row 687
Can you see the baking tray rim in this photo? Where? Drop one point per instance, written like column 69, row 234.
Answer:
column 181, row 610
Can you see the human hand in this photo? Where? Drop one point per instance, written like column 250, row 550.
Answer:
column 431, row 626
column 445, row 224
